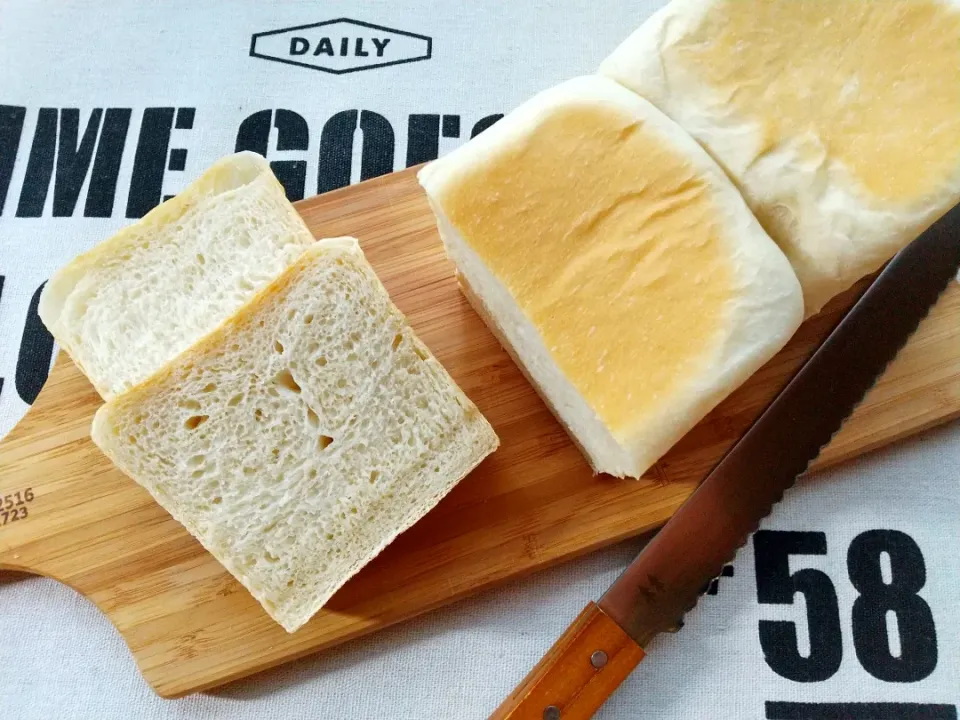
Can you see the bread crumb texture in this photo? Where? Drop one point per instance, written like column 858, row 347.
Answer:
column 127, row 307
column 607, row 237
column 302, row 436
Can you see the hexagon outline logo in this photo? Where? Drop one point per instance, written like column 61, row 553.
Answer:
column 341, row 46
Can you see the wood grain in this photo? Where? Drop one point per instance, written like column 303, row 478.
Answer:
column 534, row 503
column 571, row 682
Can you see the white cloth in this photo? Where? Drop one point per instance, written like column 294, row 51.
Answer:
column 60, row 658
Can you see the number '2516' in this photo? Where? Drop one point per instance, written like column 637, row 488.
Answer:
column 912, row 627
column 14, row 506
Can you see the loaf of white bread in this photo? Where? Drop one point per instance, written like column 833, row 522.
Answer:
column 136, row 300
column 839, row 121
column 304, row 433
column 617, row 264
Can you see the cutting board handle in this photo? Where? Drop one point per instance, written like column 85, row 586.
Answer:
column 38, row 504
column 577, row 674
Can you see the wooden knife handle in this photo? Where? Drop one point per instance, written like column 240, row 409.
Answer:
column 578, row 674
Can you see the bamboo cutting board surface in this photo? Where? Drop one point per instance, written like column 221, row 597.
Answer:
column 534, row 503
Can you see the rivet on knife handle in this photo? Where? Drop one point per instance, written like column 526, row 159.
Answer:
column 577, row 674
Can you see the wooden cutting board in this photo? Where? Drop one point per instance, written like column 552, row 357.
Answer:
column 191, row 626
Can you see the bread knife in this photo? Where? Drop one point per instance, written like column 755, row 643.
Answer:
column 606, row 642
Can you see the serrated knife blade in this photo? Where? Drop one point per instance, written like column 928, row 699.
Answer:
column 665, row 580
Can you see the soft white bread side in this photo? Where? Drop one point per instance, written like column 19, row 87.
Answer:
column 303, row 435
column 839, row 121
column 616, row 262
column 129, row 305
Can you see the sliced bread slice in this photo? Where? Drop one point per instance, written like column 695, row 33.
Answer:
column 844, row 149
column 303, row 435
column 617, row 264
column 128, row 306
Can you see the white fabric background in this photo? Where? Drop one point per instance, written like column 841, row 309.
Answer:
column 60, row 658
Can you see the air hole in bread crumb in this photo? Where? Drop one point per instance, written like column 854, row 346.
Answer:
column 320, row 361
column 324, row 441
column 190, row 404
column 422, row 403
column 420, row 353
column 307, row 319
column 246, row 285
column 291, row 313
column 195, row 421
column 374, row 474
column 278, row 346
column 201, row 259
column 312, row 473
column 196, row 460
column 270, row 557
column 285, row 379
column 258, row 414
column 132, row 439
column 235, row 400
column 353, row 511
column 217, row 500
column 209, row 387
column 197, row 474
column 276, row 452
column 342, row 383
column 290, row 582
column 397, row 339
column 312, row 418
column 248, row 471
column 329, row 536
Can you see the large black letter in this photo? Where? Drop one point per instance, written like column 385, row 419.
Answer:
column 150, row 161
column 483, row 123
column 336, row 148
column 36, row 348
column 73, row 158
column 292, row 134
column 423, row 139
column 11, row 128
column 36, row 182
column 106, row 164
